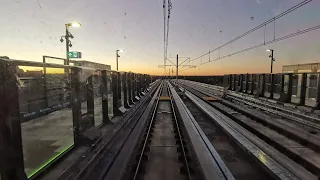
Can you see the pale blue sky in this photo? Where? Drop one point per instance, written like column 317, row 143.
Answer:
column 32, row 28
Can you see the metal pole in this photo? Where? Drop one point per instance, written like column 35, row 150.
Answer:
column 117, row 59
column 177, row 69
column 45, row 81
column 271, row 65
column 172, row 73
column 271, row 60
column 67, row 44
column 12, row 164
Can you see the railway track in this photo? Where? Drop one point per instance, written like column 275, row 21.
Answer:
column 306, row 120
column 163, row 145
column 303, row 130
column 202, row 138
column 242, row 166
column 300, row 148
column 98, row 158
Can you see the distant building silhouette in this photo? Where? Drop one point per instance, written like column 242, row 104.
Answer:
column 4, row 57
column 300, row 68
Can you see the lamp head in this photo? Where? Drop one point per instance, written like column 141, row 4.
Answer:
column 73, row 24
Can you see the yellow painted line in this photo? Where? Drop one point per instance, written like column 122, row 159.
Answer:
column 165, row 98
column 209, row 98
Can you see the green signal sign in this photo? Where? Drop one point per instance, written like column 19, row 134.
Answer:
column 74, row 55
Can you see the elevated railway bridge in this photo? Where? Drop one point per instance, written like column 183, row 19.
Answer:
column 76, row 122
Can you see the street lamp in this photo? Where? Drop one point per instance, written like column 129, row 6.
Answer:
column 272, row 59
column 67, row 36
column 74, row 24
column 117, row 54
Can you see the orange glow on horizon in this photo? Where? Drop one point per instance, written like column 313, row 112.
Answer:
column 239, row 66
column 48, row 70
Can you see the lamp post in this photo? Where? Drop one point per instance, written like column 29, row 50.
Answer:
column 117, row 54
column 67, row 36
column 272, row 59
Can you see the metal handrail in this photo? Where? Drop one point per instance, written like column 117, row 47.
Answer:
column 50, row 65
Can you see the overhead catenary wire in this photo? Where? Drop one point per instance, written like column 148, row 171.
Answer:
column 263, row 44
column 168, row 26
column 171, row 62
column 164, row 33
column 167, row 6
column 184, row 61
column 258, row 27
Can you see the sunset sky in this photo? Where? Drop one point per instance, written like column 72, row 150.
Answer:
column 32, row 28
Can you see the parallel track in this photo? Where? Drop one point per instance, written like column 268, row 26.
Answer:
column 302, row 149
column 97, row 163
column 301, row 130
column 307, row 121
column 239, row 163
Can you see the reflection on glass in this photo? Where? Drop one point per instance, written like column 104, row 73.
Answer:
column 277, row 86
column 232, row 80
column 237, row 82
column 296, row 88
column 97, row 94
column 260, row 82
column 286, row 84
column 311, row 92
column 250, row 82
column 86, row 76
column 267, row 87
column 226, row 79
column 136, row 86
column 295, row 84
column 244, row 85
column 110, row 94
column 255, row 84
column 122, row 89
column 128, row 85
column 46, row 126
